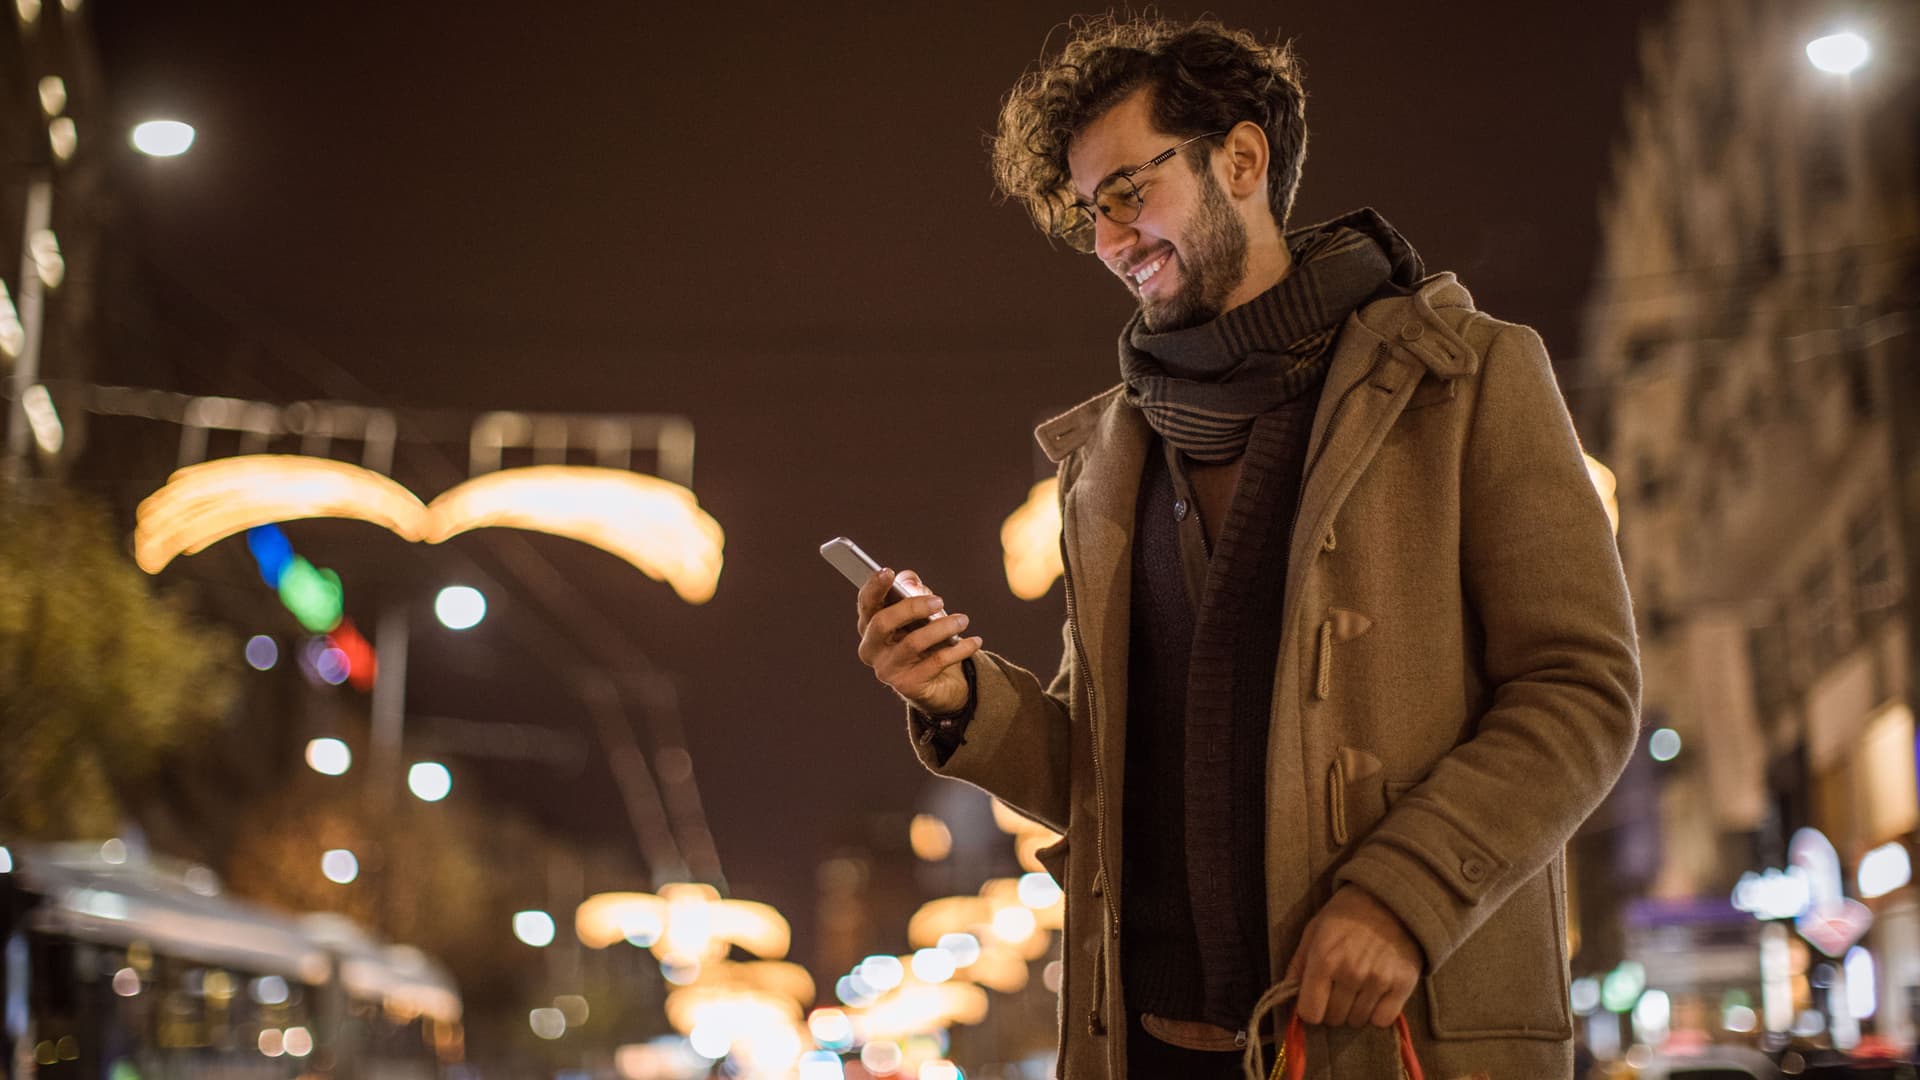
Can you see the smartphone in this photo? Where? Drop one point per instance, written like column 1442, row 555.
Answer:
column 857, row 566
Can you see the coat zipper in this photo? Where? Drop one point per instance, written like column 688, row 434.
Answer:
column 1096, row 1019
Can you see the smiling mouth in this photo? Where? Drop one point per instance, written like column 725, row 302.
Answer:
column 1146, row 273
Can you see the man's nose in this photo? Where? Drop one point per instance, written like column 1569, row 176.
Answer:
column 1111, row 239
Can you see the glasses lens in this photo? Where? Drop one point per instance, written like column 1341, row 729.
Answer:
column 1075, row 228
column 1118, row 199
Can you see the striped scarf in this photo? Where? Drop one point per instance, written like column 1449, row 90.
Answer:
column 1202, row 387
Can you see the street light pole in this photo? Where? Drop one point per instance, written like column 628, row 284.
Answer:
column 389, row 709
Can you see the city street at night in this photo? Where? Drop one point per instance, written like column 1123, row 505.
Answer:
column 1484, row 613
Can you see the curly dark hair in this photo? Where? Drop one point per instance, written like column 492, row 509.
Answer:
column 1203, row 76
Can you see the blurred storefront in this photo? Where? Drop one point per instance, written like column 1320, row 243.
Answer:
column 1758, row 285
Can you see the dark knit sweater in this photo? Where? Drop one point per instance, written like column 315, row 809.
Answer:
column 1200, row 679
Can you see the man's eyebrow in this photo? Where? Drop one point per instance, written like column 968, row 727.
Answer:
column 1084, row 200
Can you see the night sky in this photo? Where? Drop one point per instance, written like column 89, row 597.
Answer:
column 778, row 221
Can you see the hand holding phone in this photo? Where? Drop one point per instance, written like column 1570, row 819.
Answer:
column 906, row 637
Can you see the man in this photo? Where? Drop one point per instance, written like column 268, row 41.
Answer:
column 1349, row 654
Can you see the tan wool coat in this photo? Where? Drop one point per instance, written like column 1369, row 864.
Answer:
column 1457, row 688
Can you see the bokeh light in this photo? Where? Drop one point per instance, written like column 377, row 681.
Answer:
column 711, row 1040
column 881, row 1058
column 933, row 965
column 460, row 607
column 854, row 992
column 332, row 665
column 821, row 1065
column 1884, row 869
column 126, row 982
column 1039, row 890
column 272, row 1043
column 1664, row 745
column 340, row 866
column 831, row 1028
column 547, row 1023
column 574, row 1008
column 534, row 927
column 269, row 990
column 262, row 652
column 964, row 947
column 429, row 781
column 329, row 756
column 298, row 1042
column 163, row 138
column 930, row 838
column 1014, row 925
column 1839, row 54
column 882, row 972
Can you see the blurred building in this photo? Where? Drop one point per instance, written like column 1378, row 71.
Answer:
column 1756, row 288
column 55, row 154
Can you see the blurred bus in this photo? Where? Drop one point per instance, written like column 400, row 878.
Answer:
column 117, row 967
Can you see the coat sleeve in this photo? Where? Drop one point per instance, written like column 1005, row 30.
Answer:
column 1016, row 746
column 1542, row 574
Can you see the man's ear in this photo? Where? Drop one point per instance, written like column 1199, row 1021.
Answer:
column 1246, row 159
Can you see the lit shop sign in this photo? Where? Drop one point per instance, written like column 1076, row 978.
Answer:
column 1808, row 891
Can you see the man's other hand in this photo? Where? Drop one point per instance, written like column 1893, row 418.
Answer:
column 1356, row 964
column 906, row 644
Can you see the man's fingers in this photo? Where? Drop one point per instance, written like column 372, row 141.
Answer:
column 940, row 660
column 1316, row 984
column 1391, row 1004
column 1341, row 992
column 934, row 633
column 889, row 620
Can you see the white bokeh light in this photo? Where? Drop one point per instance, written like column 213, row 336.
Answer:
column 933, row 965
column 429, row 781
column 340, row 866
column 163, row 138
column 329, row 757
column 533, row 927
column 1839, row 54
column 460, row 607
column 1664, row 745
column 547, row 1023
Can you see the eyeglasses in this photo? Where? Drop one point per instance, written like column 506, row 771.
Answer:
column 1117, row 198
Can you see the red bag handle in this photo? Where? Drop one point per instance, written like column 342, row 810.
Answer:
column 1291, row 1064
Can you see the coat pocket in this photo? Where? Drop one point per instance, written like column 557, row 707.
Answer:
column 1358, row 796
column 1509, row 979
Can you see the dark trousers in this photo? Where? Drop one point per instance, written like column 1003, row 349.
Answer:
column 1150, row 1059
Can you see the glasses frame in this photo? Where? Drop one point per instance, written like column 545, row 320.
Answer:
column 1080, row 224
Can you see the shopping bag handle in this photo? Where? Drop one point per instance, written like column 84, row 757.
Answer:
column 1291, row 1062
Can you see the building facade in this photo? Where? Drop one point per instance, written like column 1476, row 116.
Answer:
column 1756, row 288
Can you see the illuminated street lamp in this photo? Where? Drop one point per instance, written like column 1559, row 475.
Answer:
column 1839, row 54
column 162, row 138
